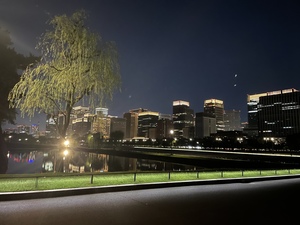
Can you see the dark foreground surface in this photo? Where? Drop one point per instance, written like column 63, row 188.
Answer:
column 263, row 202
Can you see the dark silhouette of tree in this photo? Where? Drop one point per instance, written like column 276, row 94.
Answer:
column 293, row 141
column 10, row 63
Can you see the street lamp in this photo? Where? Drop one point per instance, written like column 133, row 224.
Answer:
column 67, row 143
column 66, row 152
column 171, row 134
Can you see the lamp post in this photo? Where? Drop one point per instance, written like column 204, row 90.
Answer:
column 65, row 153
column 171, row 134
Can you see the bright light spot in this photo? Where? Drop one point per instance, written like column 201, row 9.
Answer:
column 66, row 152
column 66, row 143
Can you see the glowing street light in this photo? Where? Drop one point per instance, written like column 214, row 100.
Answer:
column 66, row 143
column 66, row 152
column 239, row 139
column 172, row 142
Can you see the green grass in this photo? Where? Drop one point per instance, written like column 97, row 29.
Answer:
column 15, row 183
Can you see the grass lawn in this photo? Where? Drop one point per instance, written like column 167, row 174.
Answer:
column 33, row 182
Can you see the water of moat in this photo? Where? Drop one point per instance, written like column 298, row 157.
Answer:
column 79, row 162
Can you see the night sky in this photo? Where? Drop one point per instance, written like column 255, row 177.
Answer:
column 179, row 50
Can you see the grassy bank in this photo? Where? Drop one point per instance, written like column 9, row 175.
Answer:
column 31, row 182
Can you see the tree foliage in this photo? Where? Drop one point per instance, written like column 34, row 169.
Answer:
column 10, row 62
column 75, row 63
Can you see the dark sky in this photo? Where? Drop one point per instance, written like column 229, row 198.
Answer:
column 180, row 50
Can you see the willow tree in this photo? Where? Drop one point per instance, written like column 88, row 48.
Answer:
column 75, row 63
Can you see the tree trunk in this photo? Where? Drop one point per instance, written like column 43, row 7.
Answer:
column 3, row 154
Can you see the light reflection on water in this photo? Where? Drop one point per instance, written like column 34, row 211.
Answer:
column 78, row 162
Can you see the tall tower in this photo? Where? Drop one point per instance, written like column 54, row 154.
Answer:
column 215, row 108
column 232, row 120
column 132, row 122
column 205, row 125
column 278, row 113
column 146, row 121
column 252, row 102
column 183, row 118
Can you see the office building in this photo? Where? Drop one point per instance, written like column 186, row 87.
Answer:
column 232, row 120
column 51, row 127
column 118, row 125
column 278, row 113
column 205, row 125
column 146, row 121
column 164, row 127
column 81, row 121
column 132, row 122
column 252, row 102
column 183, row 119
column 215, row 108
column 101, row 125
column 100, row 111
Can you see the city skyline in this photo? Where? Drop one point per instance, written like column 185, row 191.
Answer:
column 189, row 50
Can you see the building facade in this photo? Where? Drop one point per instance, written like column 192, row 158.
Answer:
column 118, row 125
column 278, row 113
column 215, row 108
column 232, row 120
column 205, row 125
column 183, row 118
column 164, row 128
column 81, row 120
column 252, row 102
column 132, row 122
column 146, row 121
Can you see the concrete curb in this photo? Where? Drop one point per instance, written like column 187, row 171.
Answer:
column 11, row 196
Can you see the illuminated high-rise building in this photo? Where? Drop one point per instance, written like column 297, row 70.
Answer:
column 252, row 101
column 232, row 120
column 164, row 127
column 215, row 108
column 278, row 113
column 81, row 121
column 132, row 122
column 101, row 111
column 183, row 119
column 147, row 121
column 51, row 128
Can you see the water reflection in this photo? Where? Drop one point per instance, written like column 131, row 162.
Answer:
column 80, row 162
column 25, row 162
